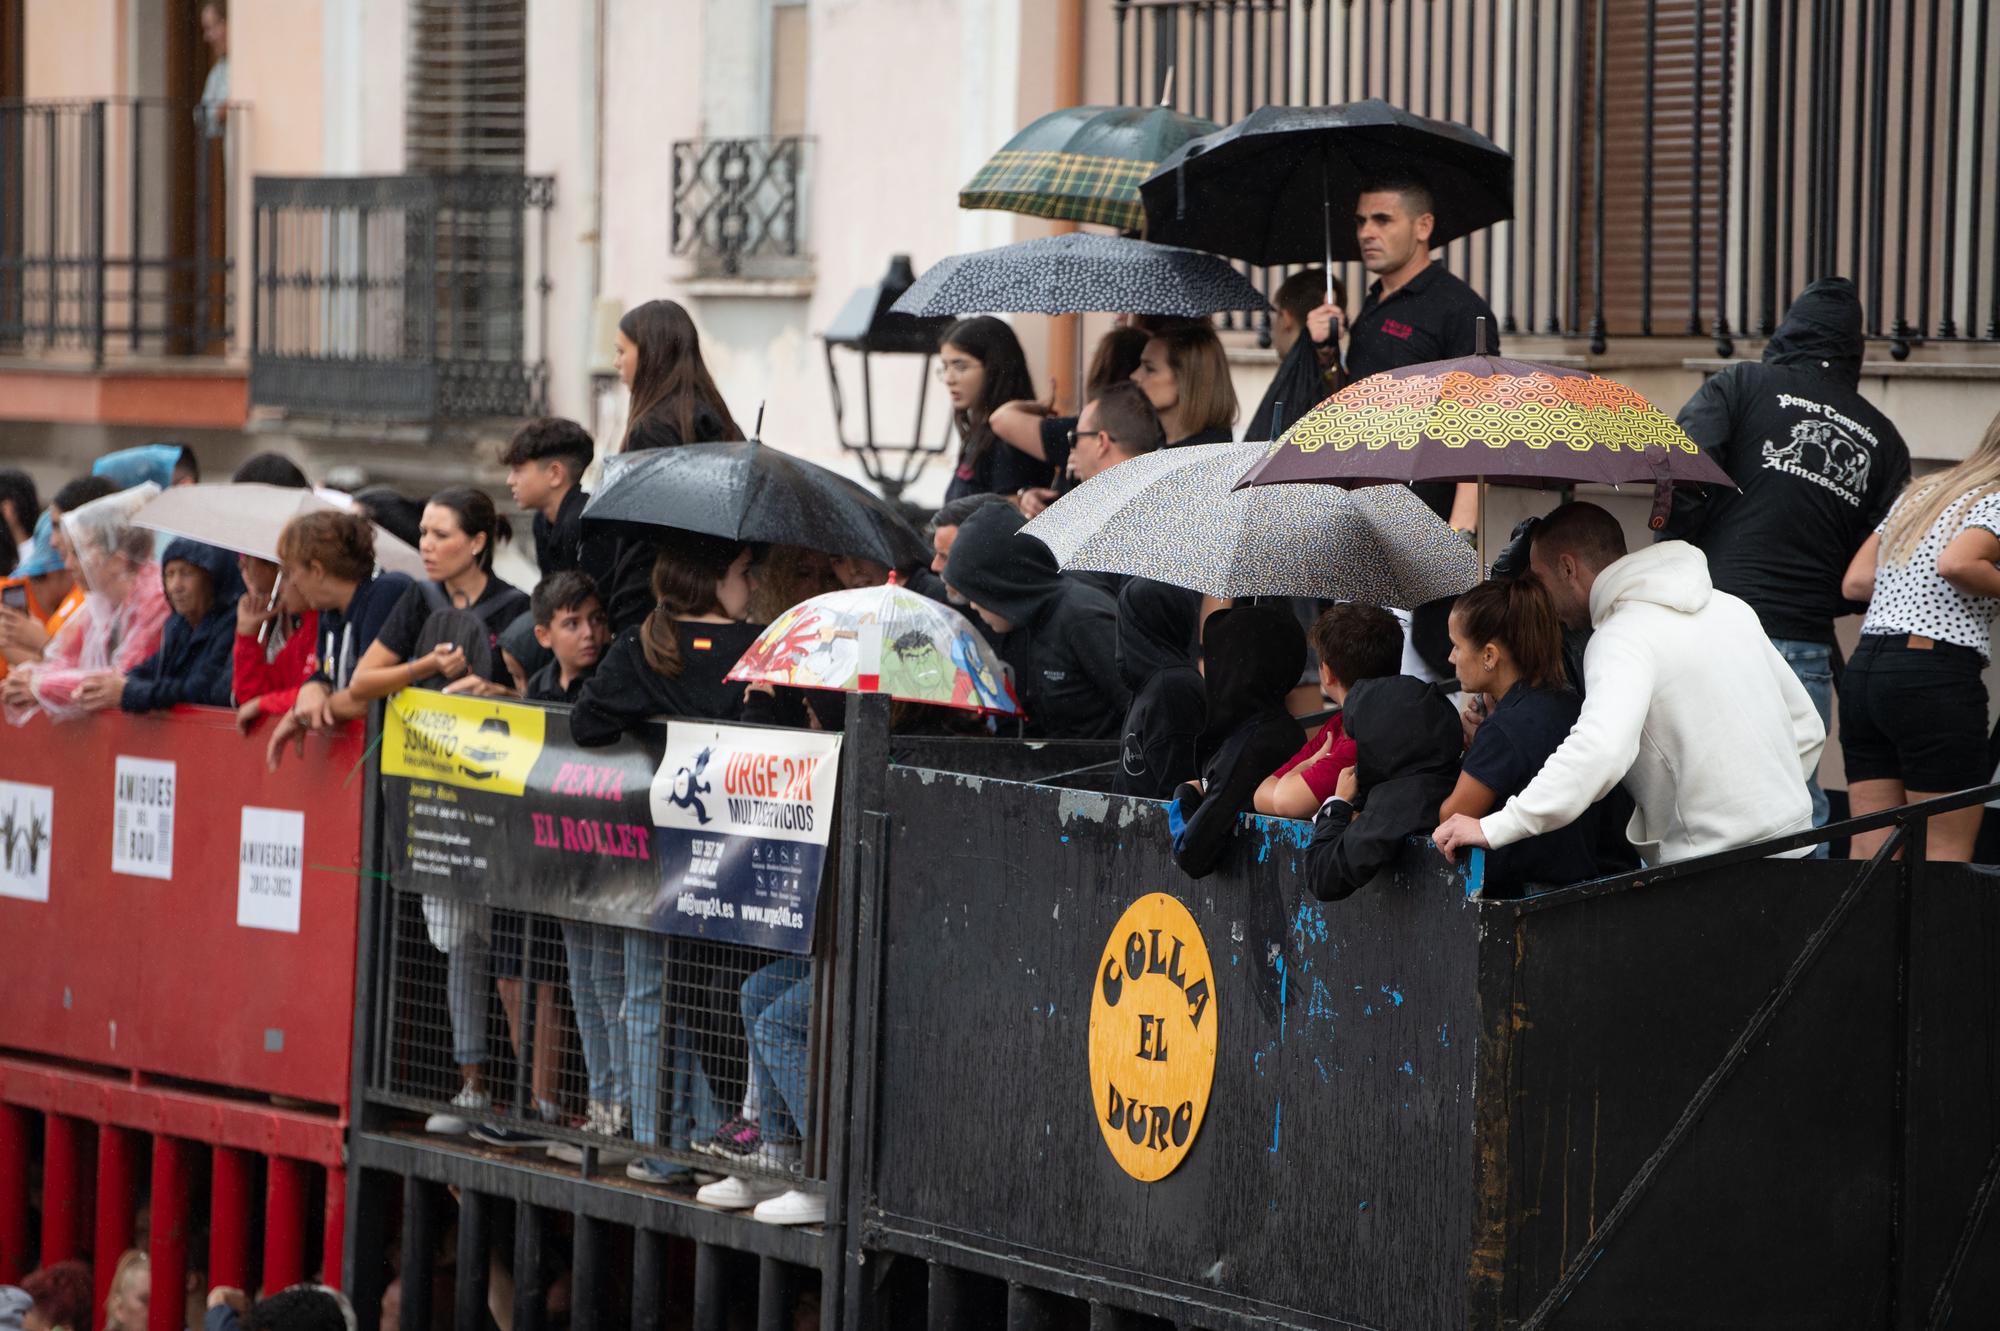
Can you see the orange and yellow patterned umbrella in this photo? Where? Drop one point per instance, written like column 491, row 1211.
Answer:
column 1484, row 418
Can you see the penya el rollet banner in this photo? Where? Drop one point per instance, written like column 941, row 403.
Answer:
column 691, row 828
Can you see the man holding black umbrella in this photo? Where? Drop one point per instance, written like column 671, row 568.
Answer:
column 1415, row 311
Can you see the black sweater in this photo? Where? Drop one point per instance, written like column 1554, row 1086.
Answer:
column 625, row 691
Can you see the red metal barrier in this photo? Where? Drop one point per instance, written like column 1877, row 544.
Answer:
column 156, row 975
column 227, row 967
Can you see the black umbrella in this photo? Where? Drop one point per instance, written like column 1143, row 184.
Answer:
column 751, row 492
column 1079, row 273
column 1265, row 189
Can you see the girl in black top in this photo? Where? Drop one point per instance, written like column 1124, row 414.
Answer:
column 456, row 540
column 1506, row 645
column 674, row 400
column 1185, row 375
column 983, row 368
column 672, row 665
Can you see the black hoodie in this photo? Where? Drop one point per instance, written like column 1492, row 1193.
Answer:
column 1407, row 739
column 1818, row 467
column 1061, row 647
column 193, row 664
column 1249, row 662
column 1157, row 625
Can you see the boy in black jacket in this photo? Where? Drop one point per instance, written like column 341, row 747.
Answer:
column 571, row 626
column 1408, row 741
column 1058, row 635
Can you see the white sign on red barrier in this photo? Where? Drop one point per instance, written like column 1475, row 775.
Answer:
column 142, row 817
column 27, row 822
column 270, row 873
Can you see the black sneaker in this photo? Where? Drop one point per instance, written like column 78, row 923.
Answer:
column 493, row 1135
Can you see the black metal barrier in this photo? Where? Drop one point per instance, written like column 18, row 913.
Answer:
column 1067, row 1086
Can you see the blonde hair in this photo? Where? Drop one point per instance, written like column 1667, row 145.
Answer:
column 1929, row 501
column 134, row 1259
column 1201, row 377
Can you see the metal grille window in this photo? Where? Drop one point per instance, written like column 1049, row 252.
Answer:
column 114, row 227
column 740, row 201
column 401, row 297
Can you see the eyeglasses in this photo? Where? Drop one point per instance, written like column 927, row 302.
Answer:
column 1073, row 435
column 948, row 369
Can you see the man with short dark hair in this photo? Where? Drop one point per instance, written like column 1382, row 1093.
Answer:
column 944, row 531
column 1685, row 701
column 1415, row 310
column 1118, row 423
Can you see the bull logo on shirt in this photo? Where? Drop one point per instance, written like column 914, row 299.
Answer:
column 1821, row 452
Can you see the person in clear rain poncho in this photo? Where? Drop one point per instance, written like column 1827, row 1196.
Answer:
column 123, row 617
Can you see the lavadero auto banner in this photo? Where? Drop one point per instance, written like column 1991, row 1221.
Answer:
column 696, row 829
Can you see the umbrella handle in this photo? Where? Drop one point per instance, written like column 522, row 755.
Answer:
column 1663, row 504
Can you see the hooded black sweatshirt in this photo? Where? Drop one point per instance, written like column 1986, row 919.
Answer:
column 1249, row 659
column 1407, row 740
column 194, row 662
column 1818, row 465
column 1157, row 624
column 1061, row 647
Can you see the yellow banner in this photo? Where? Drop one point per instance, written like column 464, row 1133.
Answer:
column 477, row 743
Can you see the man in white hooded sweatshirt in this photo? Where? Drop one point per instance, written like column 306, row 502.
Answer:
column 1684, row 700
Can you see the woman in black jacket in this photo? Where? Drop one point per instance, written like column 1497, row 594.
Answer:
column 673, row 665
column 674, row 400
column 984, row 368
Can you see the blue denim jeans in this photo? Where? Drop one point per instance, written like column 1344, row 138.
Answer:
column 597, row 995
column 777, row 1002
column 654, row 1046
column 1812, row 662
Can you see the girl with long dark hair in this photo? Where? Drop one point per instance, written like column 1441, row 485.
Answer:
column 983, row 368
column 674, row 399
column 1506, row 644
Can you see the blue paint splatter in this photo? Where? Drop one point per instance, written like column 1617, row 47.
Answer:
column 1367, row 1009
column 1395, row 995
column 1322, row 1069
column 1232, row 958
column 1065, row 840
column 1257, row 1062
column 1321, row 1004
column 1280, row 959
column 1407, row 1070
column 1309, row 923
column 1052, row 1009
column 1277, row 1118
column 1362, row 1207
column 1443, row 1038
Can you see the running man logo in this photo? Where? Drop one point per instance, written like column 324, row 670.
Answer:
column 471, row 742
column 1153, row 1020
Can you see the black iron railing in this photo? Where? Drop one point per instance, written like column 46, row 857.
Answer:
column 1685, row 167
column 415, row 298
column 739, row 201
column 115, row 227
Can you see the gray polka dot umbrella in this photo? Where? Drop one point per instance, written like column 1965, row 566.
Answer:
column 1174, row 516
column 1080, row 273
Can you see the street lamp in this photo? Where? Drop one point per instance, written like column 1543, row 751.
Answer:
column 865, row 324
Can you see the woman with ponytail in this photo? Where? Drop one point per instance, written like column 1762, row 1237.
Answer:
column 672, row 665
column 1506, row 644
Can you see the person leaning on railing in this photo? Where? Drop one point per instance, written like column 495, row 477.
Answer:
column 1913, row 701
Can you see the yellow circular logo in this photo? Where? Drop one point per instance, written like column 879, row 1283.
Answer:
column 1152, row 1037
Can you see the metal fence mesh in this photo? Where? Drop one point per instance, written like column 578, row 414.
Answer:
column 549, row 1036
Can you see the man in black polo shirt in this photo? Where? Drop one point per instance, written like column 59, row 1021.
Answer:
column 1415, row 310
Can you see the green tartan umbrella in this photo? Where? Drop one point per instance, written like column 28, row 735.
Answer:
column 1083, row 164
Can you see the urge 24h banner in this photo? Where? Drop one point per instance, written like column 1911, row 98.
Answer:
column 691, row 828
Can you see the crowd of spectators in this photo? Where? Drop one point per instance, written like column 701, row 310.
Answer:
column 1587, row 708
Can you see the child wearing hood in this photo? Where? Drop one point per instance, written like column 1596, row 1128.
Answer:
column 1054, row 632
column 193, row 664
column 1158, row 625
column 1250, row 659
column 1407, row 740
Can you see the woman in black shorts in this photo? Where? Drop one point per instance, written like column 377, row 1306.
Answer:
column 1913, row 719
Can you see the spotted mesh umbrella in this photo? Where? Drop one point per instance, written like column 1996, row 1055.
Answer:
column 1172, row 515
column 1083, row 163
column 1484, row 418
column 884, row 639
column 1080, row 274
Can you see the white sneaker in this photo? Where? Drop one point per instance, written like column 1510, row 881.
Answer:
column 602, row 1120
column 737, row 1194
column 796, row 1207
column 469, row 1100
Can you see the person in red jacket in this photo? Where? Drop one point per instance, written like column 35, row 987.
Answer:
column 276, row 644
